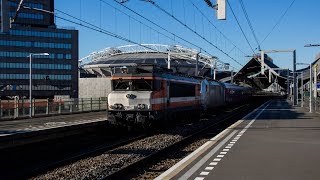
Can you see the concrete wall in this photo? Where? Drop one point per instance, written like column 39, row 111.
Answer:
column 94, row 87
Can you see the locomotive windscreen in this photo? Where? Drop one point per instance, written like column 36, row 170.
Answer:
column 132, row 85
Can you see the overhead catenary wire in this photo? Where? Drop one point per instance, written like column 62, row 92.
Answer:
column 194, row 31
column 80, row 9
column 98, row 29
column 234, row 15
column 164, row 29
column 100, row 12
column 95, row 28
column 279, row 20
column 249, row 23
column 15, row 16
column 141, row 23
column 211, row 23
column 130, row 17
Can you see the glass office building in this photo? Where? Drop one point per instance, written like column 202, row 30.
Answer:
column 35, row 32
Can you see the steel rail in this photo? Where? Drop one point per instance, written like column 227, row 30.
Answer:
column 125, row 170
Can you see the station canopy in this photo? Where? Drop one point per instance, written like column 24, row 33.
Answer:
column 251, row 73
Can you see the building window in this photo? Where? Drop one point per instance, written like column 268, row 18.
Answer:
column 25, row 54
column 35, row 44
column 41, row 34
column 32, row 5
column 28, row 15
column 37, row 76
column 35, row 66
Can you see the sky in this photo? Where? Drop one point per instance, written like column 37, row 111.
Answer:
column 298, row 27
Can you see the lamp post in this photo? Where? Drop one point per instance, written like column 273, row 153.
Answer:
column 301, row 91
column 310, row 85
column 30, row 78
column 288, row 84
column 315, row 75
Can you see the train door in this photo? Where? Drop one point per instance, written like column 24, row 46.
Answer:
column 204, row 93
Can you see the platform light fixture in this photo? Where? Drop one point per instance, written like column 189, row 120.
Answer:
column 220, row 7
column 311, row 45
column 30, row 78
column 310, row 86
column 315, row 75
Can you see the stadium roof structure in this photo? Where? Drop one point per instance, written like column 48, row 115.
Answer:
column 178, row 58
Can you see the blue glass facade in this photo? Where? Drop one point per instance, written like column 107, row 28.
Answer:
column 25, row 54
column 55, row 74
column 32, row 5
column 36, row 76
column 35, row 66
column 28, row 15
column 35, row 44
column 41, row 34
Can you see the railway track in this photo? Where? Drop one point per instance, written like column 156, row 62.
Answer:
column 36, row 158
column 131, row 170
column 92, row 152
column 115, row 162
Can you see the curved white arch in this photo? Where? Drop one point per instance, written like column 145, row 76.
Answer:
column 176, row 51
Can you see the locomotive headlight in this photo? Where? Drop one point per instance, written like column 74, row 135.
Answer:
column 119, row 106
column 116, row 106
column 142, row 106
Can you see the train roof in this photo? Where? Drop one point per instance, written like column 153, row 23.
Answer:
column 213, row 82
column 147, row 70
column 234, row 86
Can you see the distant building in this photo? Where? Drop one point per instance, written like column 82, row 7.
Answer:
column 35, row 31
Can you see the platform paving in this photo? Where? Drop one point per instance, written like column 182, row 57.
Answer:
column 276, row 141
column 10, row 127
column 24, row 131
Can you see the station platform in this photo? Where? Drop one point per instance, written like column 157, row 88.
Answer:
column 275, row 141
column 23, row 131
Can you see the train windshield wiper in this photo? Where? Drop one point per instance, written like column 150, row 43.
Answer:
column 122, row 85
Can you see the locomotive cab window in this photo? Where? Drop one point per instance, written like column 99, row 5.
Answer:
column 132, row 85
column 121, row 85
column 142, row 85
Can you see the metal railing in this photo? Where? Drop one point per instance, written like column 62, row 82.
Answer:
column 12, row 109
column 315, row 104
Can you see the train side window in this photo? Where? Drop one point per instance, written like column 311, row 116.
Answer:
column 182, row 89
